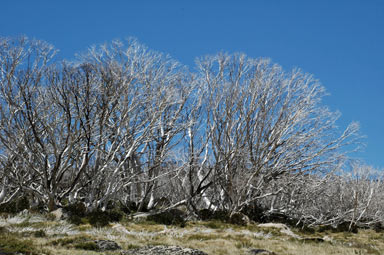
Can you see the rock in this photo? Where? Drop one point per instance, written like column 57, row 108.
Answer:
column 273, row 225
column 260, row 252
column 327, row 239
column 283, row 228
column 142, row 216
column 24, row 212
column 120, row 228
column 58, row 213
column 106, row 245
column 163, row 250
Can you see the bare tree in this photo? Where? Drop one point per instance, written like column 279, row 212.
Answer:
column 29, row 162
column 266, row 123
column 126, row 123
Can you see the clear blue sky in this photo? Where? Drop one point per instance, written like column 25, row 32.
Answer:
column 340, row 42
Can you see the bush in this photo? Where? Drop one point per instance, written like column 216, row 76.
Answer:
column 15, row 206
column 13, row 245
column 76, row 220
column 115, row 215
column 170, row 217
column 76, row 212
column 239, row 219
column 99, row 218
column 220, row 215
column 39, row 233
column 346, row 226
column 254, row 212
column 378, row 227
column 88, row 245
column 76, row 209
column 205, row 214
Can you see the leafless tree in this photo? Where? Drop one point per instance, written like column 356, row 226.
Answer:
column 130, row 124
column 266, row 124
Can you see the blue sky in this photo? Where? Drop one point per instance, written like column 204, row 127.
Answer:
column 340, row 42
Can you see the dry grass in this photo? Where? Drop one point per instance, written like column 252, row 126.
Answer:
column 215, row 238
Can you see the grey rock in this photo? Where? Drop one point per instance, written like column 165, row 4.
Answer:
column 283, row 228
column 58, row 213
column 24, row 212
column 106, row 245
column 163, row 250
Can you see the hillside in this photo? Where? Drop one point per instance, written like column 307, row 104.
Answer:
column 27, row 233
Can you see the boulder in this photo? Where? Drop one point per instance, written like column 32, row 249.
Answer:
column 283, row 228
column 59, row 214
column 163, row 250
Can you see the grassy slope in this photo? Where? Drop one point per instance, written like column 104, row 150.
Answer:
column 37, row 235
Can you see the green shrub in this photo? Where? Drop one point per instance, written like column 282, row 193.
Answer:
column 15, row 206
column 239, row 219
column 347, row 227
column 98, row 218
column 39, row 233
column 115, row 215
column 205, row 214
column 12, row 245
column 378, row 227
column 87, row 245
column 75, row 219
column 4, row 230
column 220, row 215
column 70, row 242
column 171, row 217
column 50, row 217
column 76, row 209
column 76, row 212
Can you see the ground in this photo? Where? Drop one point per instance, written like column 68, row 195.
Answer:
column 40, row 234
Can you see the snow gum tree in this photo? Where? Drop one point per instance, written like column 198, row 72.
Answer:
column 266, row 124
column 124, row 123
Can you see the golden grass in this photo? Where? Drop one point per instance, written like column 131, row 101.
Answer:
column 214, row 238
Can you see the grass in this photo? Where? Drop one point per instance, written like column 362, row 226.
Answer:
column 29, row 236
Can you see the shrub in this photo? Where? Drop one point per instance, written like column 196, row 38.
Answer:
column 115, row 215
column 378, row 227
column 39, row 233
column 13, row 245
column 170, row 217
column 346, row 226
column 239, row 219
column 15, row 206
column 76, row 212
column 205, row 214
column 220, row 215
column 87, row 245
column 76, row 220
column 99, row 218
column 76, row 209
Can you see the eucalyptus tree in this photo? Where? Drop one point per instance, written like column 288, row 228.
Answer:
column 140, row 99
column 353, row 195
column 266, row 124
column 127, row 123
column 29, row 155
